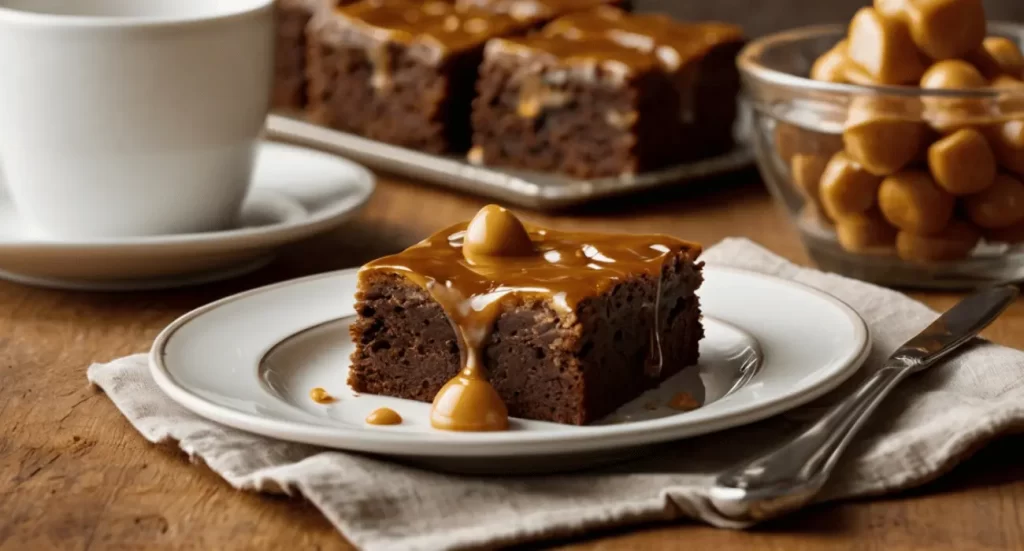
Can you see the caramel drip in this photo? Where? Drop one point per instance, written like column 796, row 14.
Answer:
column 384, row 416
column 562, row 269
column 321, row 396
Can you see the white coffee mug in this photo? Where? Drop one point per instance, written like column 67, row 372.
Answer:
column 123, row 118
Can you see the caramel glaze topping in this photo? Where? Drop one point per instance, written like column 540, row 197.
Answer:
column 433, row 28
column 674, row 44
column 384, row 416
column 532, row 10
column 477, row 270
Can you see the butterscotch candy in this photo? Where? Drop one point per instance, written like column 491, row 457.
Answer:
column 883, row 137
column 846, row 188
column 953, row 242
column 997, row 56
column 806, row 170
column 892, row 9
column 831, row 65
column 999, row 206
column 791, row 139
column 952, row 74
column 951, row 114
column 855, row 75
column 946, row 29
column 1010, row 235
column 1006, row 82
column 962, row 163
column 883, row 48
column 913, row 202
column 1007, row 141
column 866, row 233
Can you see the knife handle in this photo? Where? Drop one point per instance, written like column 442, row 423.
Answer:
column 792, row 474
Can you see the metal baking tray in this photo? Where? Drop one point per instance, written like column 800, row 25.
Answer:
column 534, row 190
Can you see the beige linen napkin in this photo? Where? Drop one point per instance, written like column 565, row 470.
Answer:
column 930, row 423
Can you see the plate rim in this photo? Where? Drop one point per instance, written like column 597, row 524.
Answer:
column 484, row 444
column 364, row 183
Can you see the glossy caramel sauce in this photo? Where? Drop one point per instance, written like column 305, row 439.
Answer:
column 531, row 10
column 671, row 42
column 384, row 416
column 477, row 270
column 435, row 28
column 321, row 396
column 623, row 43
column 684, row 401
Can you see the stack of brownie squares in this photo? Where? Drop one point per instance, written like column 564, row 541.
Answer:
column 578, row 87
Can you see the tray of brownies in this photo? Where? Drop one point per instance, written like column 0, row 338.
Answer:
column 538, row 103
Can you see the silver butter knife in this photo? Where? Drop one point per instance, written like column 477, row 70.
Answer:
column 789, row 476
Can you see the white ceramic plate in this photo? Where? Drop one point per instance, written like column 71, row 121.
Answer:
column 249, row 361
column 296, row 193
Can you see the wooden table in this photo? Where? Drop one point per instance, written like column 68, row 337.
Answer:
column 75, row 475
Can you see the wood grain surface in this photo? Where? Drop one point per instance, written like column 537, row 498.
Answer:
column 74, row 474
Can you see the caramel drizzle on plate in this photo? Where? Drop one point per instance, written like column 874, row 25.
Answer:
column 383, row 416
column 476, row 271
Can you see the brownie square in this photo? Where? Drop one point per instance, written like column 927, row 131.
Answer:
column 587, row 108
column 604, row 93
column 293, row 17
column 626, row 336
column 401, row 72
column 699, row 57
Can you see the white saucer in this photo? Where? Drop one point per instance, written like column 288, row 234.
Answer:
column 297, row 192
column 249, row 361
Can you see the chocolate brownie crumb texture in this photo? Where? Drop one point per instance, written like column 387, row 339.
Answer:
column 400, row 72
column 496, row 318
column 603, row 93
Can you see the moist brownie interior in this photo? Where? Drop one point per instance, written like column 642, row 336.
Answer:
column 566, row 329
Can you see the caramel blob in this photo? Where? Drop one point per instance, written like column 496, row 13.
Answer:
column 495, row 232
column 468, row 403
column 883, row 48
column 321, row 396
column 962, row 163
column 831, row 66
column 882, row 136
column 997, row 56
column 846, row 188
column 954, row 242
column 384, row 416
column 866, row 233
column 999, row 206
column 913, row 202
column 946, row 29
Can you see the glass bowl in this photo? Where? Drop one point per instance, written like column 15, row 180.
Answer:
column 801, row 125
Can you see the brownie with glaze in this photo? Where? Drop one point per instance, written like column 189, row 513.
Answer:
column 400, row 72
column 585, row 325
column 604, row 93
column 293, row 17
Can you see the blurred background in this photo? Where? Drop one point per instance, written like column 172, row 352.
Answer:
column 764, row 16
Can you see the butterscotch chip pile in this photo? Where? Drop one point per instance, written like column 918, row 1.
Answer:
column 922, row 177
